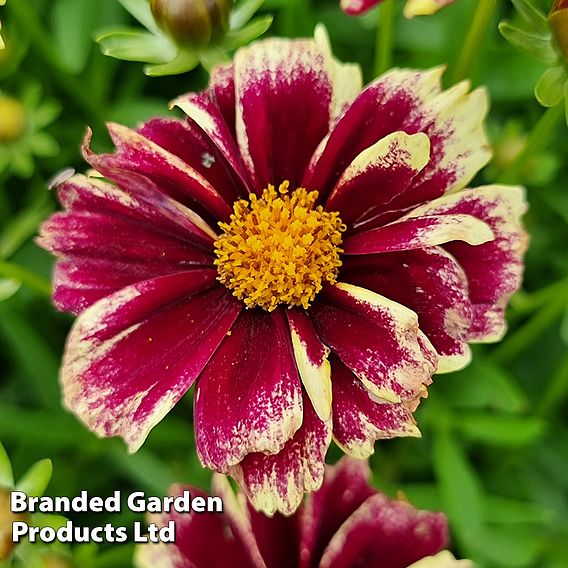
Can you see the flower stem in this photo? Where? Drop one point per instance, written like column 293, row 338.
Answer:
column 556, row 391
column 385, row 36
column 537, row 140
column 475, row 36
column 23, row 276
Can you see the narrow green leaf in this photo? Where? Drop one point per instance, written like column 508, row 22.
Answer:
column 6, row 474
column 255, row 29
column 550, row 88
column 460, row 489
column 243, row 12
column 140, row 9
column 36, row 479
column 8, row 288
column 512, row 431
column 135, row 45
column 535, row 45
column 510, row 547
column 501, row 510
column 185, row 61
column 534, row 17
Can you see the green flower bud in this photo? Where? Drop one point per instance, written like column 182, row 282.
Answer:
column 558, row 21
column 193, row 23
column 6, row 520
column 12, row 119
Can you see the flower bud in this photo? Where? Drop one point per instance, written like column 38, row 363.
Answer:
column 6, row 520
column 192, row 23
column 558, row 21
column 12, row 119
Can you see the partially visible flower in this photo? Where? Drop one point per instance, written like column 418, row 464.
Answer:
column 22, row 137
column 346, row 523
column 545, row 39
column 181, row 34
column 306, row 253
column 411, row 8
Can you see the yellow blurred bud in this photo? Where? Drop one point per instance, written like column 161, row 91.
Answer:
column 12, row 119
column 193, row 23
column 6, row 520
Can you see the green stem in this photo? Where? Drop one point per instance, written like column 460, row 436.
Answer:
column 556, row 391
column 526, row 334
column 537, row 140
column 473, row 40
column 27, row 19
column 385, row 37
column 25, row 277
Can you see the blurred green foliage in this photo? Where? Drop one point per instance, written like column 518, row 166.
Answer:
column 494, row 452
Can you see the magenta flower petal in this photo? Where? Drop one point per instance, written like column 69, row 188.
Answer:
column 137, row 154
column 202, row 541
column 188, row 141
column 379, row 174
column 253, row 374
column 377, row 339
column 431, row 283
column 356, row 7
column 278, row 482
column 494, row 269
column 359, row 419
column 386, row 533
column 222, row 92
column 420, row 232
column 173, row 323
column 411, row 101
column 345, row 488
column 411, row 8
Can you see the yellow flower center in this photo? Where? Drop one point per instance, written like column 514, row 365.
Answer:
column 279, row 248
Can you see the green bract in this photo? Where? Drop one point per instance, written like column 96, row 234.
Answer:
column 172, row 44
column 538, row 38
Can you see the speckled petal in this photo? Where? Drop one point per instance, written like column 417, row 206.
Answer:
column 345, row 487
column 286, row 99
column 431, row 283
column 378, row 339
column 377, row 175
column 359, row 419
column 413, row 102
column 494, row 269
column 390, row 534
column 249, row 398
column 312, row 361
column 419, row 232
column 277, row 483
column 206, row 540
column 131, row 356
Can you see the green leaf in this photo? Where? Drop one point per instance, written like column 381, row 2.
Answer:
column 140, row 9
column 243, row 12
column 502, row 510
column 566, row 100
column 136, row 45
column 510, row 547
column 534, row 17
column 43, row 145
column 535, row 45
column 460, row 488
column 36, row 479
column 512, row 431
column 48, row 520
column 6, row 474
column 8, row 288
column 186, row 60
column 550, row 88
column 255, row 29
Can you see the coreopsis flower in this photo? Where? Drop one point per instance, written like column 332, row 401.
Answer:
column 304, row 251
column 546, row 39
column 346, row 523
column 181, row 34
column 411, row 7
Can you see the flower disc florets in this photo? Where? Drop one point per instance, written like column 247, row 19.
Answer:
column 279, row 248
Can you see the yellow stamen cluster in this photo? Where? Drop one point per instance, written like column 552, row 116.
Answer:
column 279, row 248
